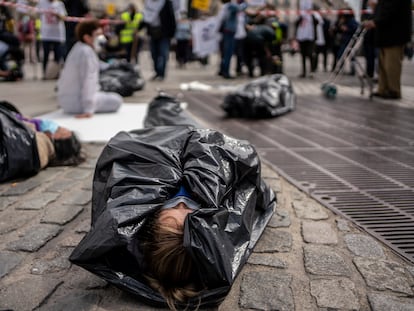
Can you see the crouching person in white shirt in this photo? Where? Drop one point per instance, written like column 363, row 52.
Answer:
column 78, row 86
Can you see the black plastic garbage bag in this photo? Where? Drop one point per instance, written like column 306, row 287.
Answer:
column 121, row 77
column 18, row 150
column 139, row 170
column 265, row 97
column 167, row 110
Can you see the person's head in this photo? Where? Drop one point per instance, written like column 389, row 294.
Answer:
column 132, row 8
column 87, row 31
column 67, row 148
column 172, row 271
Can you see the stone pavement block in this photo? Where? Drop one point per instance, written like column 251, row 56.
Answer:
column 274, row 240
column 266, row 290
column 274, row 184
column 334, row 294
column 309, row 210
column 384, row 302
column 8, row 261
column 11, row 220
column 79, row 174
column 79, row 198
column 61, row 214
column 280, row 219
column 325, row 260
column 385, row 275
column 84, row 226
column 343, row 225
column 318, row 232
column 364, row 246
column 75, row 301
column 84, row 280
column 38, row 201
column 267, row 260
column 71, row 241
column 61, row 185
column 34, row 238
column 5, row 202
column 27, row 293
column 41, row 266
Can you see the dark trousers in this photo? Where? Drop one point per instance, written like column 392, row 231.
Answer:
column 182, row 52
column 57, row 48
column 160, row 49
column 320, row 49
column 254, row 48
column 306, row 51
column 239, row 51
column 228, row 43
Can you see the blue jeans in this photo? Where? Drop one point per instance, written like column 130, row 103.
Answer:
column 228, row 43
column 160, row 49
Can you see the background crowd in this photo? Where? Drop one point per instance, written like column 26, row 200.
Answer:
column 253, row 36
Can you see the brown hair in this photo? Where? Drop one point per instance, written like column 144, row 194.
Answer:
column 86, row 27
column 172, row 271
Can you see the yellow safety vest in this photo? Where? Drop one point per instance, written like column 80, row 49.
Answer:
column 278, row 33
column 127, row 33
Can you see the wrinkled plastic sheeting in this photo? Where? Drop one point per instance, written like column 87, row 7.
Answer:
column 167, row 110
column 138, row 170
column 121, row 77
column 265, row 97
column 18, row 149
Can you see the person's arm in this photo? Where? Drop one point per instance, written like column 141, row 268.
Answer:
column 89, row 73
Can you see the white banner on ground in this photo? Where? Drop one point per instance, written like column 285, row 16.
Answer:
column 205, row 36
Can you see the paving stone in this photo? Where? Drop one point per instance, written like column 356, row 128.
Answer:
column 61, row 214
column 318, row 232
column 266, row 290
column 384, row 275
column 79, row 174
column 280, row 219
column 61, row 185
column 75, row 302
column 274, row 240
column 343, row 225
column 274, row 184
column 38, row 202
column 335, row 294
column 267, row 260
column 8, row 261
column 34, row 289
column 384, row 302
column 84, row 280
column 40, row 267
column 11, row 220
column 5, row 202
column 309, row 210
column 79, row 198
column 364, row 246
column 84, row 226
column 20, row 188
column 71, row 241
column 34, row 238
column 297, row 196
column 324, row 260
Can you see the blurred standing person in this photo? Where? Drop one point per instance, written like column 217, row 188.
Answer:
column 305, row 35
column 159, row 19
column 128, row 32
column 347, row 27
column 370, row 51
column 321, row 43
column 75, row 8
column 393, row 25
column 52, row 30
column 240, row 37
column 183, row 37
column 27, row 35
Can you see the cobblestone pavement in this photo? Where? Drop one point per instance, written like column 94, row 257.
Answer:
column 307, row 259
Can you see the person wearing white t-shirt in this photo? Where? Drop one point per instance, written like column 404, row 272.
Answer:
column 52, row 30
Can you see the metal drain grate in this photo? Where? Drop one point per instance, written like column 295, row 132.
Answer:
column 356, row 158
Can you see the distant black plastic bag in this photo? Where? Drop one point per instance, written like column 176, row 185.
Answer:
column 18, row 149
column 122, row 78
column 265, row 97
column 139, row 170
column 167, row 110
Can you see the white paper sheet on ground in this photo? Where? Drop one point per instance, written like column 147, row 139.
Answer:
column 102, row 126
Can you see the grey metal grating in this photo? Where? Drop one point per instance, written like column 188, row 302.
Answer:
column 356, row 158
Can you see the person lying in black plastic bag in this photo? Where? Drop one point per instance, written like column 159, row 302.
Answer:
column 176, row 211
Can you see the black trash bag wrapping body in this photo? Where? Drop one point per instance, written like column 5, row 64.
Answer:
column 167, row 110
column 18, row 149
column 139, row 170
column 121, row 77
column 265, row 97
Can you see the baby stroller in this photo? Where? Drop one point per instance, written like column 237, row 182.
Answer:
column 329, row 88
